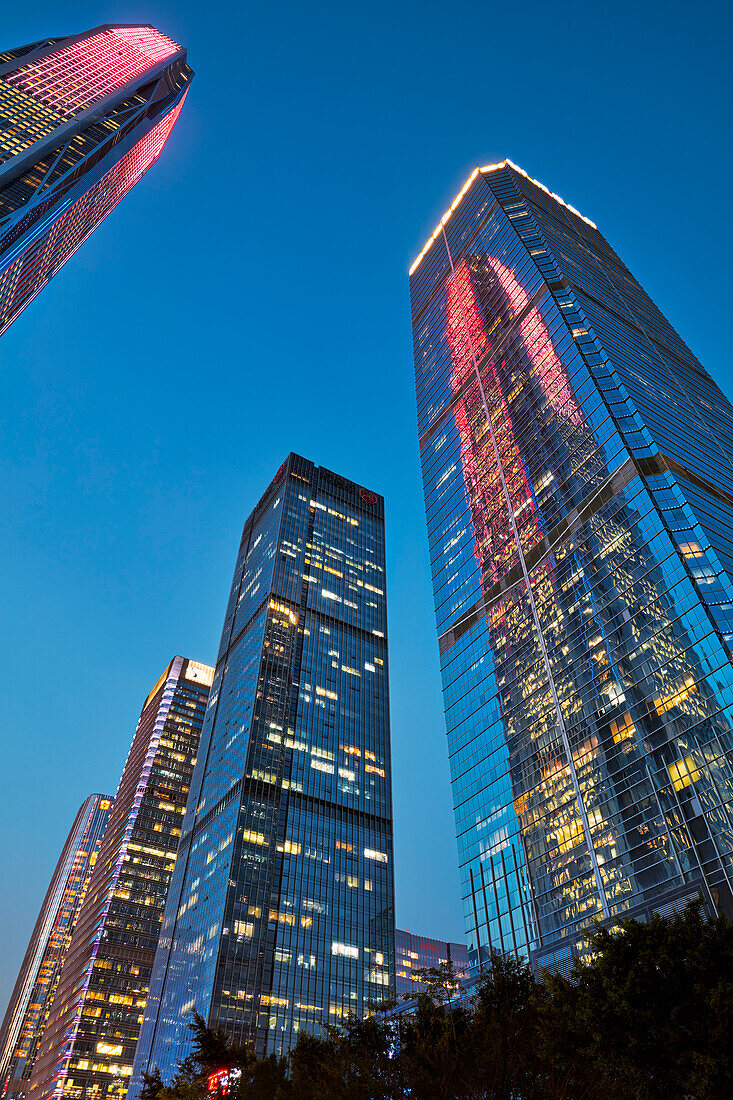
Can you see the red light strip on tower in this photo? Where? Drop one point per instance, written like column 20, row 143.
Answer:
column 78, row 76
column 22, row 281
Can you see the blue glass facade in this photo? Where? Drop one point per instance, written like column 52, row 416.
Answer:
column 280, row 911
column 578, row 474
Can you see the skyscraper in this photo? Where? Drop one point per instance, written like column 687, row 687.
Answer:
column 413, row 952
column 34, row 989
column 81, row 119
column 578, row 473
column 89, row 1042
column 280, row 913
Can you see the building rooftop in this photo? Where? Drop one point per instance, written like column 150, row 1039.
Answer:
column 484, row 171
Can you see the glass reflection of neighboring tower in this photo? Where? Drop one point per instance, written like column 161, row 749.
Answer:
column 88, row 1045
column 578, row 473
column 280, row 913
column 81, row 119
column 34, row 989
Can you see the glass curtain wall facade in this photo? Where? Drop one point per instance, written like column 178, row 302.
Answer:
column 417, row 952
column 578, row 473
column 88, row 1046
column 280, row 914
column 30, row 1002
column 82, row 118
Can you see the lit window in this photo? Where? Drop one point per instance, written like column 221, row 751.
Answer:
column 663, row 703
column 691, row 550
column 290, row 847
column 380, row 857
column 252, row 837
column 623, row 729
column 683, row 772
column 345, row 949
column 281, row 918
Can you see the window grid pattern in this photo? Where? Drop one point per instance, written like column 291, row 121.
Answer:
column 76, row 77
column 583, row 610
column 414, row 952
column 30, row 1003
column 23, row 120
column 281, row 912
column 58, row 177
column 22, row 280
column 88, row 1046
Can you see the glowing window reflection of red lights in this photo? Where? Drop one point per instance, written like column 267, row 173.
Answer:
column 494, row 547
column 467, row 337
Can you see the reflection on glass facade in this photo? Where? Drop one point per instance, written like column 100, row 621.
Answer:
column 578, row 473
column 88, row 1045
column 81, row 120
column 31, row 999
column 414, row 953
column 280, row 910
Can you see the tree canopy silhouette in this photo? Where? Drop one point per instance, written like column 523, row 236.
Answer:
column 648, row 1015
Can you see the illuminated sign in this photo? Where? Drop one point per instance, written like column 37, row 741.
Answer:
column 217, row 1083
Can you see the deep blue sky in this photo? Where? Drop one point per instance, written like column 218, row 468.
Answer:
column 250, row 297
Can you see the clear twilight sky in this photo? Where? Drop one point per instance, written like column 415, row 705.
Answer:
column 250, row 297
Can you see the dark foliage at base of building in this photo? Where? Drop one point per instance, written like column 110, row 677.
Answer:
column 647, row 1016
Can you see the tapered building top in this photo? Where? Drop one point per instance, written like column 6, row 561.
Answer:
column 81, row 119
column 280, row 915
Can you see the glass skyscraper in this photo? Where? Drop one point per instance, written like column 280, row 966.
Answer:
column 81, row 119
column 31, row 999
column 578, row 473
column 280, row 913
column 413, row 952
column 88, row 1046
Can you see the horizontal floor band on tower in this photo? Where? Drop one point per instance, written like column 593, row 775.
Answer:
column 245, row 786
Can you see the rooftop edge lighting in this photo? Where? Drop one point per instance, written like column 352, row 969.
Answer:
column 491, row 168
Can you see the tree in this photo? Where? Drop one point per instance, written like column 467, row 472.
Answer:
column 354, row 1061
column 258, row 1079
column 646, row 1015
column 152, row 1085
column 504, row 1028
column 650, row 1014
